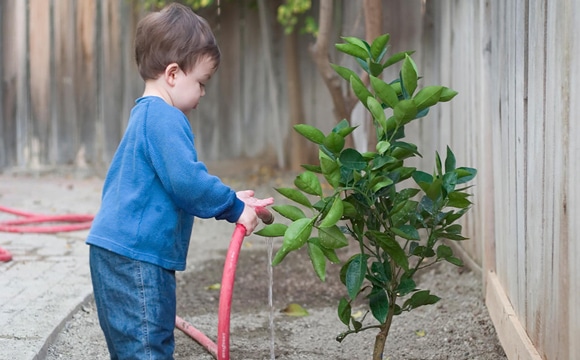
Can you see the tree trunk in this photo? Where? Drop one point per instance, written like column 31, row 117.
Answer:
column 381, row 338
column 319, row 50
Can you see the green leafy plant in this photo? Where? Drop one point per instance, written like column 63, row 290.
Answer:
column 397, row 215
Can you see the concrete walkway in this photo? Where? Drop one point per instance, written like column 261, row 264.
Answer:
column 48, row 278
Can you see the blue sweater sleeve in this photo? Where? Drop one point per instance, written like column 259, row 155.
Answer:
column 172, row 154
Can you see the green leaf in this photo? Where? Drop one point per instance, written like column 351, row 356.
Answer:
column 272, row 230
column 423, row 179
column 449, row 181
column 308, row 182
column 332, row 237
column 357, row 42
column 383, row 146
column 455, row 261
column 406, row 232
column 378, row 46
column 297, row 233
column 465, row 174
column 352, row 160
column 343, row 128
column 406, row 286
column 295, row 195
column 375, row 69
column 447, row 94
column 391, row 247
column 289, row 212
column 454, row 229
column 450, row 161
column 420, row 298
column 384, row 91
column 280, row 255
column 330, row 169
column 380, row 182
column 396, row 58
column 334, row 142
column 402, row 215
column 389, row 162
column 405, row 111
column 330, row 254
column 403, row 150
column 454, row 237
column 404, row 172
column 349, row 210
column 406, row 194
column 438, row 164
column 310, row 132
column 363, row 64
column 355, row 275
column 353, row 50
column 334, row 214
column 343, row 72
column 379, row 304
column 295, row 236
column 360, row 90
column 444, row 251
column 382, row 271
column 434, row 190
column 458, row 200
column 409, row 75
column 344, row 311
column 318, row 260
column 423, row 251
column 427, row 97
column 378, row 113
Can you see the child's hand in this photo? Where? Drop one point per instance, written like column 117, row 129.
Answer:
column 247, row 196
column 249, row 218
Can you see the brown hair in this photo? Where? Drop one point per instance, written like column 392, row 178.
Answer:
column 174, row 35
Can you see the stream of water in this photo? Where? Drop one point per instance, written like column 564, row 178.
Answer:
column 270, row 246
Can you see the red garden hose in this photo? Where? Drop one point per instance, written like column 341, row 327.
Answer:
column 221, row 349
column 23, row 225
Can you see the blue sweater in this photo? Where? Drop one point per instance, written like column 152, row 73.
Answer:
column 155, row 187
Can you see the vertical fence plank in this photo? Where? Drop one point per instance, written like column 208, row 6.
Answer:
column 85, row 83
column 66, row 125
column 110, row 75
column 554, row 337
column 14, row 82
column 40, row 82
column 572, row 205
column 535, row 149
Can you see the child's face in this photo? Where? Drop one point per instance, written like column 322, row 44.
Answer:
column 190, row 87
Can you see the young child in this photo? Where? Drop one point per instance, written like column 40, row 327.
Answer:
column 155, row 187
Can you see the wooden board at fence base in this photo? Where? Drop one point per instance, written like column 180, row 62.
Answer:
column 513, row 337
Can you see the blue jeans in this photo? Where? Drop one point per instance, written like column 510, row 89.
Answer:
column 136, row 306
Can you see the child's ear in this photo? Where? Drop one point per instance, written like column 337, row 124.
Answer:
column 170, row 73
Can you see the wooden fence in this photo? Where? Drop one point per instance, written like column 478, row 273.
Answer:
column 69, row 81
column 514, row 64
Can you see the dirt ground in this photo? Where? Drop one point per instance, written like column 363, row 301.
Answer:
column 457, row 327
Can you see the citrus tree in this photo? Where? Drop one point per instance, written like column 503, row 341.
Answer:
column 398, row 227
